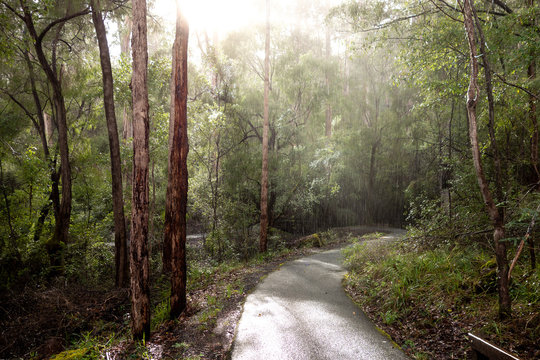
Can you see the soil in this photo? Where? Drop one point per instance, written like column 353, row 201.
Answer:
column 445, row 337
column 432, row 333
column 38, row 322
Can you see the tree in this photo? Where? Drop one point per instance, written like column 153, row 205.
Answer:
column 120, row 237
column 177, row 188
column 53, row 73
column 139, row 263
column 263, row 240
column 531, row 73
column 495, row 214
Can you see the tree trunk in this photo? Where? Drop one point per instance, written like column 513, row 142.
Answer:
column 263, row 241
column 139, row 263
column 494, row 213
column 166, row 251
column 12, row 236
column 120, row 240
column 175, row 217
column 45, row 130
column 328, row 122
column 531, row 72
column 127, row 125
column 61, row 232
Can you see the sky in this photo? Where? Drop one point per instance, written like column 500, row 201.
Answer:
column 210, row 15
column 221, row 17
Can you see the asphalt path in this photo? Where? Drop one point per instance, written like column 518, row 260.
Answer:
column 302, row 312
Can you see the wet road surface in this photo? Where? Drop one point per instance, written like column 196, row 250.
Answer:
column 302, row 312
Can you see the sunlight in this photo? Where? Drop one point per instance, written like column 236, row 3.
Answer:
column 211, row 15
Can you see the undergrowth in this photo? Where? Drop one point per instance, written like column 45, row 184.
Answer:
column 438, row 295
column 212, row 288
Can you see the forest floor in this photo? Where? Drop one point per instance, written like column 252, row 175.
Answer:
column 75, row 322
column 427, row 300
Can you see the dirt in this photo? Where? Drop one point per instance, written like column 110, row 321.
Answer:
column 216, row 342
column 40, row 322
column 428, row 332
column 440, row 336
column 34, row 322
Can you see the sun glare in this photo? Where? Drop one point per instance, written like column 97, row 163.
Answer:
column 211, row 15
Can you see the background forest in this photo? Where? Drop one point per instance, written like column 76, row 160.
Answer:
column 368, row 120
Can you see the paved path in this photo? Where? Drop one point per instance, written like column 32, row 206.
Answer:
column 302, row 312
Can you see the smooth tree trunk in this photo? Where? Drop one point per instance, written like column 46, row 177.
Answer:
column 328, row 120
column 120, row 237
column 263, row 240
column 175, row 216
column 45, row 130
column 166, row 248
column 139, row 263
column 531, row 73
column 493, row 212
column 63, row 215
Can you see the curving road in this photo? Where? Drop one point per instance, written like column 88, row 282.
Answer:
column 302, row 312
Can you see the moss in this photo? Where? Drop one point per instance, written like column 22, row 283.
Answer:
column 71, row 354
column 388, row 337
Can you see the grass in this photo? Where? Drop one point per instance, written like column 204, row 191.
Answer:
column 441, row 293
column 212, row 287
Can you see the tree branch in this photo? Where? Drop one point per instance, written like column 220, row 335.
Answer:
column 60, row 21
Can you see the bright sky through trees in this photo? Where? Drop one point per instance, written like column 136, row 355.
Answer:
column 211, row 15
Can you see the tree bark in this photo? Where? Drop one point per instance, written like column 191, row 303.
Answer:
column 127, row 125
column 166, row 251
column 494, row 213
column 499, row 197
column 139, row 263
column 61, row 232
column 44, row 128
column 12, row 236
column 120, row 240
column 531, row 72
column 328, row 122
column 175, row 217
column 263, row 240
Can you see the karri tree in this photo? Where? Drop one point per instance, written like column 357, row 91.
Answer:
column 139, row 263
column 176, row 204
column 263, row 239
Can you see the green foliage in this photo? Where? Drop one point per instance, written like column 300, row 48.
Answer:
column 71, row 354
column 161, row 313
column 449, row 282
column 86, row 347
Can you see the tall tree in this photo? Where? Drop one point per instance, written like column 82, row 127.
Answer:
column 263, row 240
column 495, row 213
column 139, row 263
column 53, row 71
column 531, row 73
column 177, row 189
column 328, row 54
column 120, row 238
column 166, row 251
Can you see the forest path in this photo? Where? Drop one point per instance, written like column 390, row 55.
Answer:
column 302, row 312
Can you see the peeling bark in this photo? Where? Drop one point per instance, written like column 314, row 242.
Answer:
column 139, row 262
